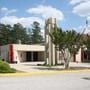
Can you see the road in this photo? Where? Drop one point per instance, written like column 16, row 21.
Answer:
column 60, row 81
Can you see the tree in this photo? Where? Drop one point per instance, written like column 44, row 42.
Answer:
column 19, row 33
column 68, row 43
column 9, row 34
column 5, row 34
column 36, row 36
column 71, row 45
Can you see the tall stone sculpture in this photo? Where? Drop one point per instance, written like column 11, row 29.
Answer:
column 49, row 46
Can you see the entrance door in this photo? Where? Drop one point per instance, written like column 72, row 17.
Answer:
column 28, row 56
column 35, row 56
column 31, row 56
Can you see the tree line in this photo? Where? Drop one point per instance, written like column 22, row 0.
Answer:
column 13, row 34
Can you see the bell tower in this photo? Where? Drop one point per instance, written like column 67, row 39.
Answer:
column 49, row 46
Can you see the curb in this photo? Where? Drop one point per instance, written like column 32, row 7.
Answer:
column 32, row 73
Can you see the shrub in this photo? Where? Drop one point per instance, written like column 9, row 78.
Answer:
column 5, row 67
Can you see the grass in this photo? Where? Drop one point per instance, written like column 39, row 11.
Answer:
column 5, row 67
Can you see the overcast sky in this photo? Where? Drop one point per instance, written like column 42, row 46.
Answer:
column 69, row 13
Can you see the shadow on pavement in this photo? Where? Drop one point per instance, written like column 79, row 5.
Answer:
column 47, row 68
column 86, row 78
column 60, row 68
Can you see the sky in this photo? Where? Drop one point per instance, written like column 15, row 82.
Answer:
column 70, row 14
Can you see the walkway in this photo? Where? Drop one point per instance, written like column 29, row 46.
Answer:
column 32, row 66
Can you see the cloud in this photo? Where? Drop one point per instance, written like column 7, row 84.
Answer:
column 83, row 9
column 3, row 9
column 73, row 2
column 46, row 12
column 6, row 11
column 88, row 18
column 25, row 21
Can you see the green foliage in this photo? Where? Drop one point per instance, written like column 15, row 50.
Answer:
column 36, row 36
column 87, row 42
column 66, row 41
column 72, row 41
column 5, row 67
column 56, row 35
column 12, row 34
column 19, row 33
column 4, row 33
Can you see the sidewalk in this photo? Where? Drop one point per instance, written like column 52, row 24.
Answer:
column 32, row 66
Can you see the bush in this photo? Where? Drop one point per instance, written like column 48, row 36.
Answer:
column 5, row 67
